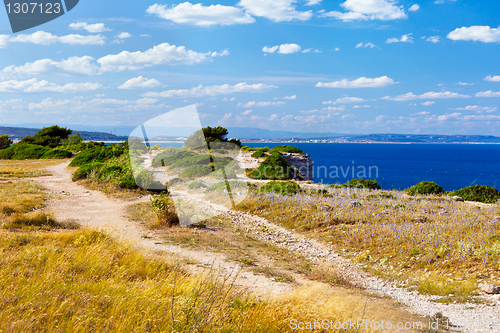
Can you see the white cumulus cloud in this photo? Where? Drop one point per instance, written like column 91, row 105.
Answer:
column 123, row 35
column 369, row 10
column 404, row 39
column 74, row 65
column 35, row 86
column 433, row 39
column 490, row 78
column 488, row 93
column 92, row 28
column 362, row 82
column 429, row 95
column 162, row 54
column 283, row 48
column 476, row 33
column 202, row 91
column 275, row 10
column 46, row 38
column 366, row 45
column 187, row 13
column 139, row 82
column 414, row 8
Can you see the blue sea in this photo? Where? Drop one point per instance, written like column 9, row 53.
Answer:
column 399, row 166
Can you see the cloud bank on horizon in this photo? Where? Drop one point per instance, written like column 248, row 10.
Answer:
column 344, row 66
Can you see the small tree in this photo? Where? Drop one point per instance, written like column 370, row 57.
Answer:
column 5, row 142
column 208, row 135
column 48, row 136
column 73, row 140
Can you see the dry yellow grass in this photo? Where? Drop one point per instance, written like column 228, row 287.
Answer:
column 24, row 168
column 83, row 281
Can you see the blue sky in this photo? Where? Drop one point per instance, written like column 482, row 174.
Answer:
column 348, row 66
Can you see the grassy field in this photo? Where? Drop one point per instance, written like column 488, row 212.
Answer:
column 83, row 280
column 431, row 244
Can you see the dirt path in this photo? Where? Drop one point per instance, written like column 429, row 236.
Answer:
column 93, row 209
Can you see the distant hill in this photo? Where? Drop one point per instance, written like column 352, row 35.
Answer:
column 20, row 132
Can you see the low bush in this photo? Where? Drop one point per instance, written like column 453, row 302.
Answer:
column 201, row 160
column 196, row 185
column 85, row 170
column 259, row 154
column 281, row 187
column 425, row 188
column 287, row 149
column 99, row 154
column 362, row 183
column 164, row 208
column 23, row 151
column 274, row 167
column 485, row 194
column 175, row 181
column 170, row 156
column 195, row 171
column 57, row 153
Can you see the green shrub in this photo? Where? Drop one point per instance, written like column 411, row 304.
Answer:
column 85, row 170
column 175, row 181
column 425, row 188
column 57, row 154
column 195, row 171
column 362, row 183
column 259, row 154
column 170, row 156
column 23, row 151
column 196, row 185
column 485, row 194
column 281, row 187
column 99, row 154
column 287, row 149
column 274, row 167
column 164, row 208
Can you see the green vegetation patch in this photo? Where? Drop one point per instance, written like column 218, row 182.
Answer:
column 362, row 183
column 259, row 153
column 169, row 157
column 287, row 149
column 281, row 187
column 425, row 188
column 195, row 171
column 196, row 185
column 23, row 151
column 274, row 167
column 57, row 153
column 479, row 193
column 99, row 154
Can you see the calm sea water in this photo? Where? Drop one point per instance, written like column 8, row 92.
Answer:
column 399, row 166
